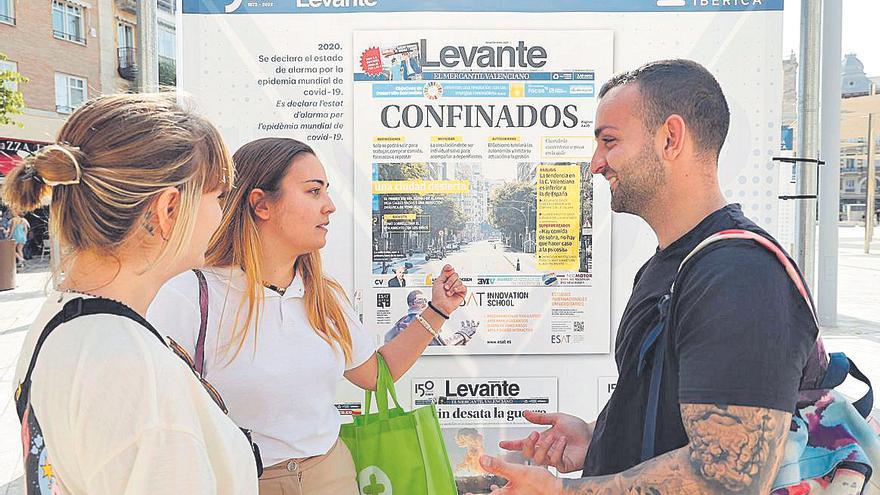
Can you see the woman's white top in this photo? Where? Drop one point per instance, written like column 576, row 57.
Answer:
column 121, row 413
column 282, row 384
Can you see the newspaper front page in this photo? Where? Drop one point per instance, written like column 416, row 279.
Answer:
column 478, row 146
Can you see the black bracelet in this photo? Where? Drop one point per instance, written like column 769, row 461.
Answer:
column 441, row 313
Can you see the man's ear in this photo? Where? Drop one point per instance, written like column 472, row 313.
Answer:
column 673, row 134
column 164, row 211
column 259, row 203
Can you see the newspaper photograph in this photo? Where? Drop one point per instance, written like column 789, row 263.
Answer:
column 478, row 144
column 477, row 413
column 466, row 444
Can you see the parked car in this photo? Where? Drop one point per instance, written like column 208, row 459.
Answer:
column 434, row 254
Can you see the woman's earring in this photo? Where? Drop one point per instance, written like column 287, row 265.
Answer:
column 149, row 226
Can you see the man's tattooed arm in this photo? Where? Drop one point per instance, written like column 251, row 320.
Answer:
column 732, row 449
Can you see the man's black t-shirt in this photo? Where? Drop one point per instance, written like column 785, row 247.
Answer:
column 740, row 334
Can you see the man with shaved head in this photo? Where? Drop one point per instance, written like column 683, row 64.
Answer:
column 738, row 332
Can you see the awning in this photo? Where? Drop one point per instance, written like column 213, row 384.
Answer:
column 13, row 151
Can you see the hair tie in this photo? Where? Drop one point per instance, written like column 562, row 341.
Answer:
column 76, row 166
column 30, row 173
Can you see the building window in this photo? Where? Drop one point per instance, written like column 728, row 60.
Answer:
column 167, row 5
column 850, row 186
column 125, row 35
column 9, row 65
column 7, row 12
column 70, row 92
column 167, row 41
column 67, row 22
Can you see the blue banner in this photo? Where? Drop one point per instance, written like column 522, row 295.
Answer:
column 787, row 143
column 351, row 6
column 491, row 76
column 484, row 90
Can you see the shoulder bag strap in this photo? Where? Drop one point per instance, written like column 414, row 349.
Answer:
column 73, row 309
column 649, row 432
column 199, row 358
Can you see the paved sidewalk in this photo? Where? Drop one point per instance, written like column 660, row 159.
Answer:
column 18, row 308
column 857, row 333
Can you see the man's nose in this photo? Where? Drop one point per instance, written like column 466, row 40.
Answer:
column 598, row 163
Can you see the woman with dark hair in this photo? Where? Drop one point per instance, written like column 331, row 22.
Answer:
column 280, row 334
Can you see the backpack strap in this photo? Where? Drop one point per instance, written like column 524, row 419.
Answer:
column 767, row 244
column 199, row 358
column 73, row 309
column 650, row 426
column 839, row 366
column 658, row 333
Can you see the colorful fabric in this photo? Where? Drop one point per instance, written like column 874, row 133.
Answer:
column 825, row 437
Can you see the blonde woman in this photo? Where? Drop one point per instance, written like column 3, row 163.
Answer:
column 18, row 231
column 106, row 406
column 280, row 334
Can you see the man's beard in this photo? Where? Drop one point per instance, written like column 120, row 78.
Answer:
column 644, row 178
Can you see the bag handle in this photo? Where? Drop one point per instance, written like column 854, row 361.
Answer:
column 199, row 358
column 384, row 386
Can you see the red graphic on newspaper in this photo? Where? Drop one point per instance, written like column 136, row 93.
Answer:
column 371, row 61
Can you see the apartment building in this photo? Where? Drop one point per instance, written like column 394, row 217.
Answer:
column 71, row 50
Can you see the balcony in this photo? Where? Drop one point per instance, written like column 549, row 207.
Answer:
column 127, row 5
column 127, row 63
column 74, row 37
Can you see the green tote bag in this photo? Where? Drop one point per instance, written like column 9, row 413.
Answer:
column 397, row 452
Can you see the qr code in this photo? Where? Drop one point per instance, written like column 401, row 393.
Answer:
column 383, row 300
column 578, row 326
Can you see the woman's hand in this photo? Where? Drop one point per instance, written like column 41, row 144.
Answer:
column 448, row 292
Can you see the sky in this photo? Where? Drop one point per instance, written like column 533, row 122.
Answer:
column 861, row 19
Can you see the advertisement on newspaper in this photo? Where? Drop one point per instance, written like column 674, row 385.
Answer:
column 477, row 413
column 477, row 144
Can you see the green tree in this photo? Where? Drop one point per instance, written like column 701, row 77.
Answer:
column 402, row 171
column 445, row 215
column 167, row 72
column 11, row 100
column 512, row 211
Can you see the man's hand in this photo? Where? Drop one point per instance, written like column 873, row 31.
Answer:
column 448, row 291
column 563, row 446
column 522, row 480
column 732, row 450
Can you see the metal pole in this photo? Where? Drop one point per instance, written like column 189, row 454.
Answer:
column 148, row 60
column 829, row 190
column 808, row 136
column 872, row 186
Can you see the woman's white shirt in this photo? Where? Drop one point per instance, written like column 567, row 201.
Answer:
column 282, row 384
column 121, row 414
